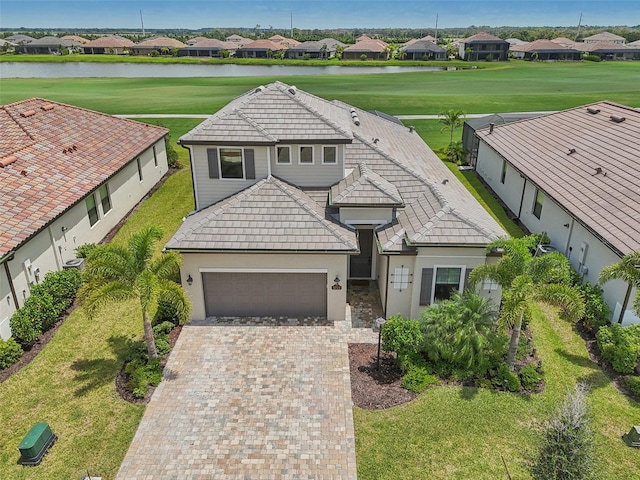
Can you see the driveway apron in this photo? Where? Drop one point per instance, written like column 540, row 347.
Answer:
column 250, row 402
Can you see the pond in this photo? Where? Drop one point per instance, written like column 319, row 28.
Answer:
column 174, row 70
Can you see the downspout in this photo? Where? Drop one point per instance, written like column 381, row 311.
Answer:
column 386, row 290
column 193, row 176
column 53, row 246
column 625, row 303
column 5, row 260
column 524, row 188
column 566, row 248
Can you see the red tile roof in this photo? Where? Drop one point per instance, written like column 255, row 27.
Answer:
column 482, row 37
column 62, row 153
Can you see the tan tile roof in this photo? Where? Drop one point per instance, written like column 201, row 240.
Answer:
column 263, row 45
column 110, row 41
column 603, row 37
column 605, row 47
column 634, row 44
column 269, row 215
column 543, row 46
column 213, row 43
column 482, row 37
column 49, row 175
column 75, row 38
column 367, row 46
column 564, row 41
column 160, row 42
column 273, row 114
column 364, row 187
column 608, row 204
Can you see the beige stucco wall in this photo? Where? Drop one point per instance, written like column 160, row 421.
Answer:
column 195, row 264
column 52, row 247
column 368, row 215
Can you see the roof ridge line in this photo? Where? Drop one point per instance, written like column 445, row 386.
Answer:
column 254, row 124
column 396, row 236
column 471, row 223
column 377, row 184
column 308, row 209
column 315, row 112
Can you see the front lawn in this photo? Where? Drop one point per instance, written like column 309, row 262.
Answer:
column 70, row 384
column 461, row 432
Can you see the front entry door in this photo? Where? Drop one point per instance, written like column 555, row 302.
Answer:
column 360, row 265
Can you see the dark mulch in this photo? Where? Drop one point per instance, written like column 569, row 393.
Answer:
column 123, row 377
column 374, row 389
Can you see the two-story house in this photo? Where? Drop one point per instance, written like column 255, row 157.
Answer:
column 483, row 46
column 295, row 195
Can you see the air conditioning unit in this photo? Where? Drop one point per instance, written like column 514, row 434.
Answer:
column 77, row 263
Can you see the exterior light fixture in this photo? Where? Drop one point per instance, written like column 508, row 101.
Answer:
column 378, row 324
column 64, row 229
column 337, row 279
column 190, row 280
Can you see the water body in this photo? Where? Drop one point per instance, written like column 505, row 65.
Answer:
column 174, row 70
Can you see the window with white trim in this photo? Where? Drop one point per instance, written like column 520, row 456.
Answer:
column 92, row 210
column 489, row 285
column 446, row 281
column 105, row 198
column 401, row 278
column 283, row 155
column 330, row 155
column 231, row 164
column 305, row 155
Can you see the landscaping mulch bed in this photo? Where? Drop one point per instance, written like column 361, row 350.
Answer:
column 374, row 389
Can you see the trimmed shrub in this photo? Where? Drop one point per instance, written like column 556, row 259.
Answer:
column 43, row 307
column 620, row 346
column 592, row 58
column 163, row 328
column 24, row 328
column 507, row 379
column 529, row 377
column 401, row 335
column 10, row 353
column 62, row 286
column 166, row 312
column 596, row 310
column 633, row 384
column 162, row 344
column 418, row 379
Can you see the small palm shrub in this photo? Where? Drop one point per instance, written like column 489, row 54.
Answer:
column 529, row 377
column 10, row 353
column 505, row 378
column 142, row 374
column 620, row 346
column 418, row 379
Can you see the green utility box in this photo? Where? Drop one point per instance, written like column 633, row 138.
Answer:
column 633, row 437
column 36, row 443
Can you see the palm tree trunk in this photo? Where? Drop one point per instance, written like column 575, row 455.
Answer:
column 148, row 336
column 513, row 345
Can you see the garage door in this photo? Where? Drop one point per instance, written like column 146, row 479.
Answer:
column 235, row 294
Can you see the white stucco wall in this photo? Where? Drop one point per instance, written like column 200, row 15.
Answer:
column 52, row 247
column 553, row 218
column 366, row 215
column 334, row 265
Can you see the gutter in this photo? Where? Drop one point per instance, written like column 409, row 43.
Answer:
column 5, row 260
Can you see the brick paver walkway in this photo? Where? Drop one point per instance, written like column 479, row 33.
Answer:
column 249, row 401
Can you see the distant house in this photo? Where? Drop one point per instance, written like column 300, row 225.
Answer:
column 297, row 195
column 259, row 49
column 605, row 37
column 573, row 174
column 280, row 40
column 482, row 46
column 370, row 48
column 611, row 50
column 110, row 44
column 75, row 38
column 208, row 47
column 7, row 46
column 194, row 40
column 564, row 41
column 19, row 39
column 49, row 45
column 424, row 50
column 515, row 41
column 238, row 40
column 414, row 40
column 634, row 44
column 67, row 177
column 157, row 44
column 325, row 48
column 545, row 50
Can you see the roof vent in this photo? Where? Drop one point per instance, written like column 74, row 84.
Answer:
column 376, row 140
column 411, row 128
column 600, row 171
column 445, row 181
column 23, row 173
column 259, row 89
column 491, row 125
column 593, row 110
column 616, row 119
column 47, row 106
column 292, row 89
column 28, row 113
column 354, row 117
column 571, row 151
column 7, row 160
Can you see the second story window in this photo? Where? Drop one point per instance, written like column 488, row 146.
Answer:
column 330, row 155
column 537, row 204
column 231, row 163
column 306, row 155
column 284, row 155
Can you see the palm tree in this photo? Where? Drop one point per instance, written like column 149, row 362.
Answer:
column 117, row 274
column 451, row 119
column 527, row 280
column 628, row 270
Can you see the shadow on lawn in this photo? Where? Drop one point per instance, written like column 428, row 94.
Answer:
column 97, row 372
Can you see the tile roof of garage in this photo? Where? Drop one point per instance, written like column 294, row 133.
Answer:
column 400, row 162
column 608, row 203
column 61, row 153
column 269, row 215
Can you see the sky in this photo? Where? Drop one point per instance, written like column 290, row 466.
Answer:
column 310, row 14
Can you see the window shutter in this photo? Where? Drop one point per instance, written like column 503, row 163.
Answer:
column 249, row 164
column 212, row 157
column 467, row 284
column 425, row 286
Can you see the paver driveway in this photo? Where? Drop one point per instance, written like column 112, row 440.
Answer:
column 250, row 402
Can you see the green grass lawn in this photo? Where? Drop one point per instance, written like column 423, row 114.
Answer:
column 460, row 432
column 514, row 86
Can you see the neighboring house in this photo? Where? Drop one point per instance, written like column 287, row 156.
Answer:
column 565, row 42
column 280, row 40
column 482, row 46
column 424, row 50
column 194, row 40
column 75, row 38
column 610, row 50
column 49, row 45
column 574, row 175
column 6, row 46
column 414, row 40
column 515, row 41
column 111, row 44
column 238, row 40
column 605, row 37
column 19, row 39
column 471, row 141
column 208, row 47
column 259, row 49
column 545, row 50
column 157, row 44
column 294, row 195
column 325, row 48
column 634, row 44
column 371, row 49
column 67, row 177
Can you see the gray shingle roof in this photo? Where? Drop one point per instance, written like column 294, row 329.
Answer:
column 423, row 46
column 269, row 215
column 363, row 187
column 607, row 204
